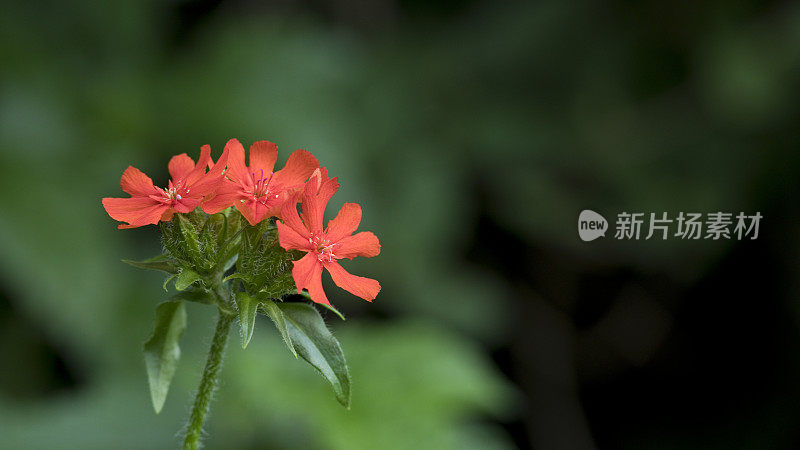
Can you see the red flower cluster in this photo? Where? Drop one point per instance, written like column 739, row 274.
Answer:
column 259, row 193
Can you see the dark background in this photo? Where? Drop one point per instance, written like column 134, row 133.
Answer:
column 472, row 133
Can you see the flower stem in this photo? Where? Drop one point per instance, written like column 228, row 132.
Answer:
column 209, row 381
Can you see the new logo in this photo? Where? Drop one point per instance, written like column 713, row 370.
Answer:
column 591, row 225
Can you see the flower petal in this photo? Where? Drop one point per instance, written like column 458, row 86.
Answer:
column 199, row 169
column 237, row 170
column 227, row 194
column 179, row 166
column 137, row 211
column 248, row 210
column 366, row 288
column 262, row 157
column 300, row 165
column 319, row 176
column 252, row 210
column 323, row 172
column 361, row 244
column 326, row 191
column 307, row 274
column 292, row 219
column 136, row 183
column 211, row 181
column 151, row 216
column 127, row 209
column 345, row 223
column 275, row 205
column 260, row 212
column 186, row 205
column 216, row 168
column 315, row 200
column 290, row 239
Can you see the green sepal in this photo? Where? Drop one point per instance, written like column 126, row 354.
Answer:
column 172, row 241
column 222, row 236
column 163, row 263
column 161, row 351
column 208, row 241
column 266, row 266
column 237, row 276
column 185, row 279
column 191, row 241
column 247, row 307
column 315, row 343
column 229, row 248
column 271, row 309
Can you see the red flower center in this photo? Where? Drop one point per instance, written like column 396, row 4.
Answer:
column 173, row 193
column 261, row 190
column 322, row 248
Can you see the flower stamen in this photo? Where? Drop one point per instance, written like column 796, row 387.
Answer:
column 322, row 248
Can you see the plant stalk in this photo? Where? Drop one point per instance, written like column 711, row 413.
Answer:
column 208, row 383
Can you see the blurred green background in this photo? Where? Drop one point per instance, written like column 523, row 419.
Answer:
column 472, row 133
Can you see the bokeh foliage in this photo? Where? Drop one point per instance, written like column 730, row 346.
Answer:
column 88, row 89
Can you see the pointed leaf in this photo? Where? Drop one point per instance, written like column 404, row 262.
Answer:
column 317, row 345
column 170, row 278
column 329, row 307
column 161, row 351
column 161, row 262
column 269, row 308
column 247, row 316
column 237, row 276
column 186, row 278
column 231, row 261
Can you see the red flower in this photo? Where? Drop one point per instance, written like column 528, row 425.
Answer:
column 148, row 204
column 257, row 191
column 325, row 247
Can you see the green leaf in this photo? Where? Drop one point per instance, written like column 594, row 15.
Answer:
column 317, row 345
column 330, row 308
column 333, row 309
column 161, row 351
column 161, row 262
column 186, row 278
column 193, row 295
column 247, row 315
column 269, row 308
column 170, row 278
column 231, row 261
column 191, row 242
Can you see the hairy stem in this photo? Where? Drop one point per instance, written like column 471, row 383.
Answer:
column 202, row 400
